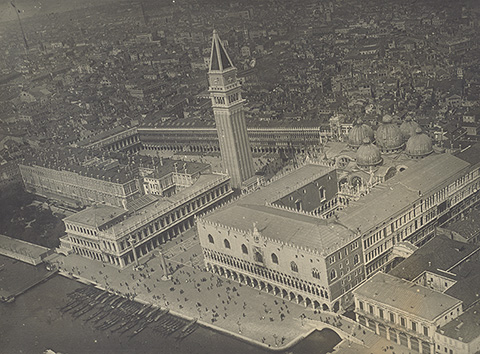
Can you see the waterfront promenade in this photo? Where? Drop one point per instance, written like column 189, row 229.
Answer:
column 16, row 277
column 226, row 306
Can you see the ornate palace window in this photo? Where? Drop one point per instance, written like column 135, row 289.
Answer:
column 226, row 243
column 258, row 257
column 244, row 249
column 274, row 258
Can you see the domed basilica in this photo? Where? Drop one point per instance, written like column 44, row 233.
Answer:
column 370, row 157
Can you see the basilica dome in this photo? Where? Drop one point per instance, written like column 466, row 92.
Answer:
column 408, row 128
column 368, row 154
column 419, row 145
column 358, row 133
column 389, row 137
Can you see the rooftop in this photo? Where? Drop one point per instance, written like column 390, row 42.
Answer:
column 112, row 167
column 381, row 203
column 467, row 287
column 284, row 226
column 96, row 216
column 189, row 123
column 406, row 296
column 184, row 123
column 400, row 191
column 22, row 247
column 286, row 184
column 162, row 205
column 468, row 227
column 141, row 202
column 439, row 253
column 102, row 135
column 219, row 59
column 470, row 154
column 335, row 148
column 82, row 162
column 283, row 123
column 465, row 327
column 188, row 167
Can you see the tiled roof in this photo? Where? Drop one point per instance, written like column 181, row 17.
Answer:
column 467, row 287
column 80, row 161
column 471, row 154
column 467, row 227
column 286, row 184
column 141, row 202
column 381, row 203
column 285, row 226
column 188, row 167
column 438, row 253
column 400, row 191
column 163, row 204
column 102, row 135
column 465, row 327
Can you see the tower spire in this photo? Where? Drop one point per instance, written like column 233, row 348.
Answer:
column 219, row 59
column 227, row 103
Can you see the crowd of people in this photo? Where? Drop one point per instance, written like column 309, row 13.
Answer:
column 194, row 292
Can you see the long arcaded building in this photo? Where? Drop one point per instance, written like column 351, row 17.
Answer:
column 201, row 136
column 120, row 237
column 74, row 178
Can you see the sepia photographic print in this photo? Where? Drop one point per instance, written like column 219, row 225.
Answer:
column 239, row 176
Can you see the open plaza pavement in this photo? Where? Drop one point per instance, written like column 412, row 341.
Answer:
column 218, row 303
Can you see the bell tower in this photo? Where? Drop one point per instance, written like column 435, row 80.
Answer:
column 227, row 103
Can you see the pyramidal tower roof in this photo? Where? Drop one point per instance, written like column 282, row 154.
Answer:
column 219, row 59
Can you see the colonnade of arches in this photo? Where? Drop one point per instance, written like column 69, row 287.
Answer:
column 182, row 147
column 131, row 143
column 268, row 274
column 268, row 287
column 276, row 149
column 87, row 253
column 140, row 250
column 146, row 247
column 216, row 148
column 406, row 339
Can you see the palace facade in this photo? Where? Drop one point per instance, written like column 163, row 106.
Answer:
column 120, row 237
column 284, row 239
